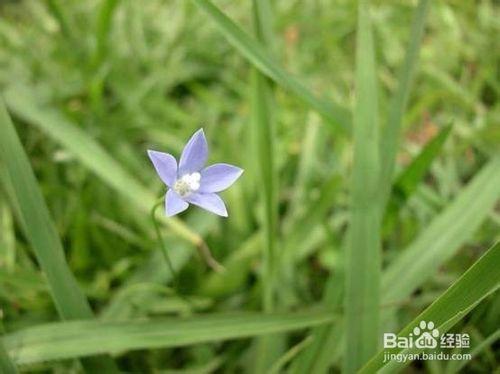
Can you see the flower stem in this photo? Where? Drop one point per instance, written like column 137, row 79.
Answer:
column 160, row 240
column 201, row 247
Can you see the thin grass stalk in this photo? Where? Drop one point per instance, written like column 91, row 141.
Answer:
column 389, row 140
column 363, row 256
column 267, row 347
column 264, row 129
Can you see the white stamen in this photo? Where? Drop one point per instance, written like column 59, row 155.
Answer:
column 187, row 184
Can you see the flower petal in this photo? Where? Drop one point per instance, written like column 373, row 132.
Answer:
column 194, row 155
column 174, row 204
column 165, row 165
column 208, row 201
column 218, row 177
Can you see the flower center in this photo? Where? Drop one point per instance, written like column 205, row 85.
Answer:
column 187, row 184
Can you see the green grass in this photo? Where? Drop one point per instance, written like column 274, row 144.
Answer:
column 76, row 339
column 389, row 141
column 369, row 138
column 363, row 264
column 480, row 281
column 263, row 133
column 34, row 216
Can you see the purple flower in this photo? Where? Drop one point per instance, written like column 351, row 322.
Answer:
column 190, row 183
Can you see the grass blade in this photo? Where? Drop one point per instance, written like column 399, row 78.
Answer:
column 390, row 139
column 57, row 341
column 264, row 130
column 410, row 178
column 363, row 256
column 408, row 181
column 267, row 347
column 279, row 365
column 444, row 236
column 258, row 57
column 481, row 280
column 40, row 231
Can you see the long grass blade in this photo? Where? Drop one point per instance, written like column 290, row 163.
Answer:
column 258, row 57
column 363, row 256
column 391, row 133
column 267, row 347
column 481, row 280
column 40, row 231
column 57, row 341
column 264, row 130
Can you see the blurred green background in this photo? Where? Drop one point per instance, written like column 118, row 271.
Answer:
column 137, row 75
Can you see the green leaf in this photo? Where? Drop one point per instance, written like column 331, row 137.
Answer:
column 408, row 181
column 91, row 155
column 267, row 347
column 363, row 257
column 259, row 57
column 482, row 279
column 263, row 125
column 40, row 230
column 391, row 133
column 444, row 236
column 58, row 341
